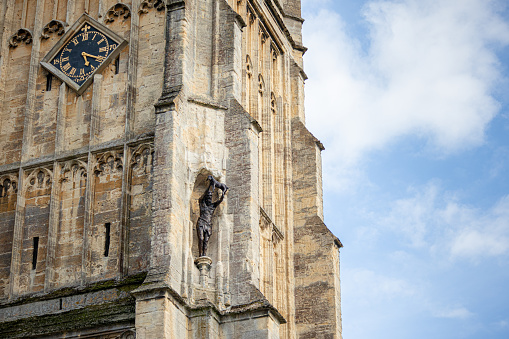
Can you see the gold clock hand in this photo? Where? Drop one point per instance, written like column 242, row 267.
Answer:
column 83, row 54
column 99, row 58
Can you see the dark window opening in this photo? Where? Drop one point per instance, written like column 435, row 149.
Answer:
column 117, row 65
column 49, row 81
column 34, row 253
column 61, row 303
column 107, row 239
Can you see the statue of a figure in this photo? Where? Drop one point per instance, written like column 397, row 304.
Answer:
column 207, row 208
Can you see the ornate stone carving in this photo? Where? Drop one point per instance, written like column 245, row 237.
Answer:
column 117, row 11
column 250, row 16
column 147, row 5
column 266, row 223
column 141, row 158
column 263, row 35
column 22, row 35
column 108, row 162
column 8, row 185
column 261, row 84
column 73, row 169
column 39, row 178
column 249, row 66
column 54, row 26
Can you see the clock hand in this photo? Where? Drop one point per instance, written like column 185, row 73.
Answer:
column 99, row 58
column 83, row 54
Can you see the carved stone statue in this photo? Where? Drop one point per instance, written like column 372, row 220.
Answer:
column 207, row 208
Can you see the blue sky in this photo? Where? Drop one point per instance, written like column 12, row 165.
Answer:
column 410, row 100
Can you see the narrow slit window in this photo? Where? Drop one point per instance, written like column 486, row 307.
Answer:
column 35, row 252
column 107, row 227
column 117, row 65
column 49, row 81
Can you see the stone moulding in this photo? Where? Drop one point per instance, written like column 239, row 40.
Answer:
column 137, row 155
column 266, row 222
column 74, row 166
column 117, row 11
column 54, row 26
column 113, row 158
column 22, row 35
column 147, row 5
column 8, row 185
column 39, row 178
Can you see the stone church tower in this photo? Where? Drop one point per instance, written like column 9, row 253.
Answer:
column 112, row 117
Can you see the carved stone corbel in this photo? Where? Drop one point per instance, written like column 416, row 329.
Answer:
column 8, row 185
column 147, row 5
column 54, row 26
column 22, row 35
column 117, row 11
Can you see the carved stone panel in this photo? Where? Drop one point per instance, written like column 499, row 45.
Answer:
column 8, row 198
column 37, row 191
column 104, row 234
column 140, row 205
column 71, row 191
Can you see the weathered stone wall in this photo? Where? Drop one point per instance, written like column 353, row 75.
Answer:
column 109, row 179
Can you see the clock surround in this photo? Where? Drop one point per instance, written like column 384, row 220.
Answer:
column 84, row 50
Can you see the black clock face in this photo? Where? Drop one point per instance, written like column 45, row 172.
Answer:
column 82, row 55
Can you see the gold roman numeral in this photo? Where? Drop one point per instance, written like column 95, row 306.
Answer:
column 65, row 59
column 82, row 72
column 72, row 71
column 103, row 49
column 85, row 36
column 66, row 66
column 75, row 41
column 99, row 42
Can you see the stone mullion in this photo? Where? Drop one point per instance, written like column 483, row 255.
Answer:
column 214, row 69
column 132, row 68
column 279, row 164
column 31, row 87
column 53, row 223
column 288, row 227
column 95, row 118
column 5, row 31
column 69, row 18
column 124, row 214
column 24, row 14
column 267, row 134
column 61, row 112
column 88, row 218
column 17, row 239
column 100, row 9
column 55, row 9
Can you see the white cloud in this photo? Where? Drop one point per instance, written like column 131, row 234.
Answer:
column 429, row 71
column 434, row 219
column 454, row 313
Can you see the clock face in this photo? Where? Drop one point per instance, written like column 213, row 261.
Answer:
column 86, row 50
